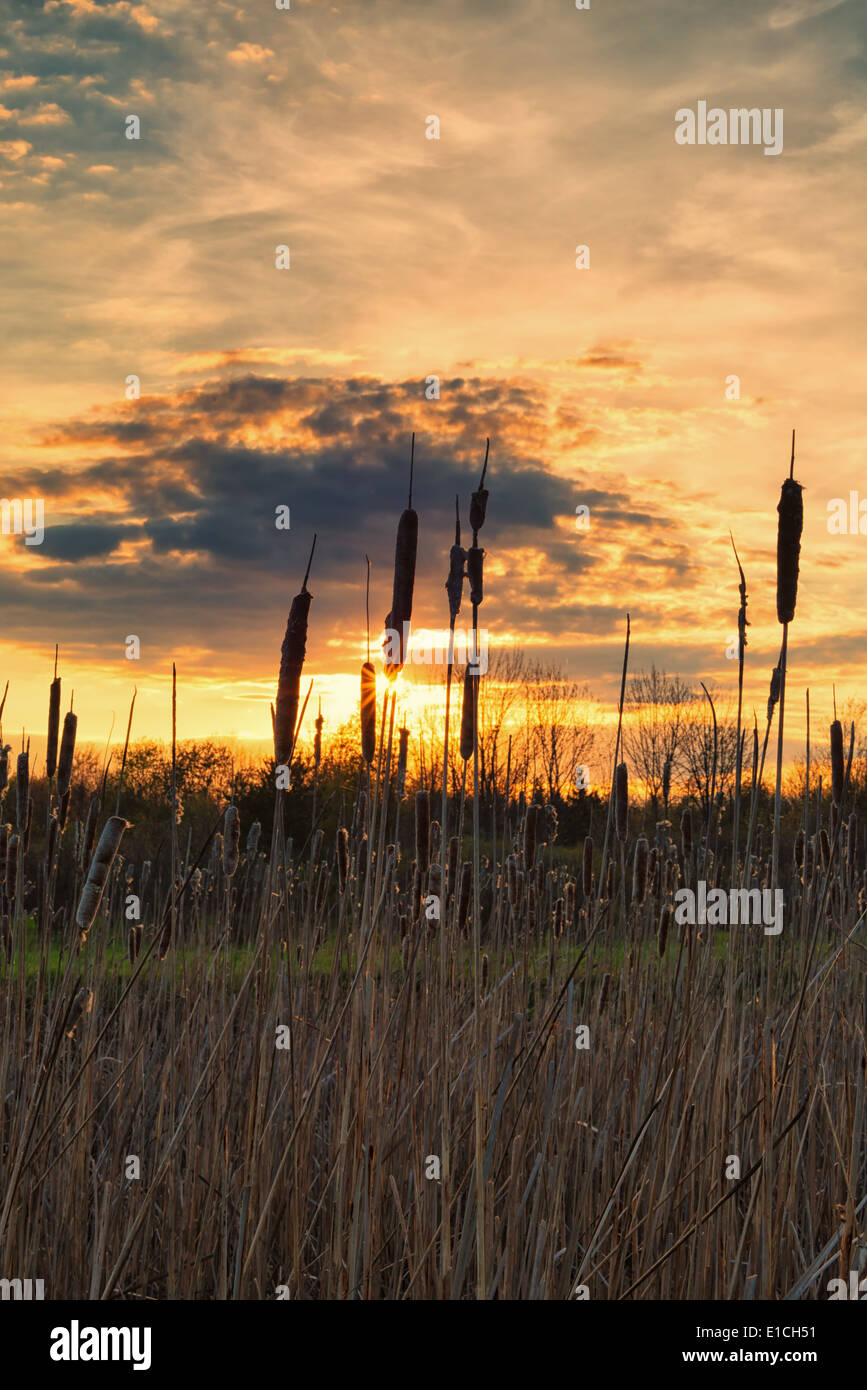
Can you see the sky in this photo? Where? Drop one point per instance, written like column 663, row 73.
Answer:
column 608, row 386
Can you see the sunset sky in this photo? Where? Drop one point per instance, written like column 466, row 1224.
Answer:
column 413, row 257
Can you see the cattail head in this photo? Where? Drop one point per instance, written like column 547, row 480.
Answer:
column 253, row 839
column 317, row 739
column 587, row 867
column 570, row 901
column 479, row 501
column 837, row 772
column 686, row 832
column 292, row 656
column 621, row 801
column 231, row 840
column 471, row 689
column 368, row 712
column 5, row 750
column 457, row 563
column 400, row 616
column 475, row 573
column 134, row 942
column 666, row 780
column 67, row 753
column 790, row 509
column 97, row 875
column 799, row 849
column 53, row 728
column 639, row 870
column 824, row 847
column 558, row 917
column 22, row 781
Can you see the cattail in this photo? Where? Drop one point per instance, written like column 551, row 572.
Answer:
column 81, row 1004
column 27, row 823
column 4, row 766
column 457, row 561
column 67, row 753
column 422, row 830
column 531, row 907
column 666, row 780
column 452, row 865
column 790, row 509
column 662, row 935
column 609, row 881
column 64, row 807
column 639, row 870
column 558, row 917
column 837, row 773
column 402, row 752
column 483, row 978
column 22, row 789
column 53, row 728
column 100, row 866
column 824, row 847
column 464, row 898
column 435, row 838
column 134, row 941
column 216, row 853
column 540, row 877
column 342, row 857
column 686, row 832
column 316, row 849
column 405, row 550
column 471, row 686
column 621, row 801
column 5, row 827
column 405, row 948
column 368, row 712
column 587, row 876
column 253, row 839
column 799, row 849
column 550, row 823
column 479, row 500
column 529, row 851
column 231, row 840
column 12, row 866
column 434, row 885
column 570, row 901
column 774, row 692
column 317, row 739
column 475, row 574
column 291, row 663
column 519, row 886
column 52, row 838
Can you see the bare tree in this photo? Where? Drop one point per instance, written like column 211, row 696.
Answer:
column 657, row 705
column 560, row 717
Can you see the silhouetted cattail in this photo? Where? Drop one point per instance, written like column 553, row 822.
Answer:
column 342, row 857
column 558, row 917
column 483, row 978
column 471, row 685
column 464, row 898
column 231, row 840
column 791, row 523
column 100, row 866
column 405, row 550
column 53, row 728
column 435, row 837
column 686, row 832
column 51, row 845
column 531, row 906
column 639, row 870
column 475, row 574
column 22, row 789
column 368, row 712
column 12, row 866
column 457, row 561
column 292, row 655
column 774, row 692
column 5, row 750
column 529, row 851
column 837, row 773
column 479, row 500
column 666, row 780
column 422, row 830
column 621, row 801
column 587, row 867
column 662, row 935
column 67, row 753
column 799, row 849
